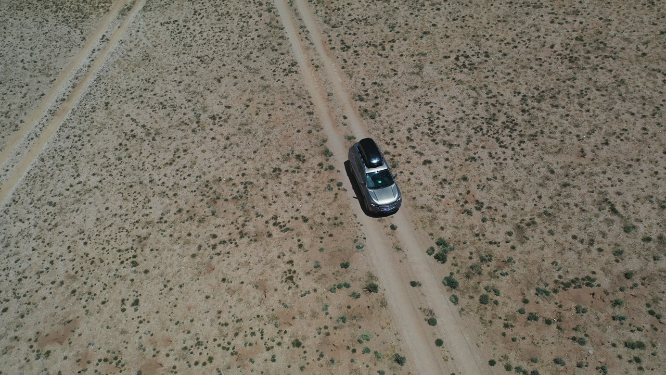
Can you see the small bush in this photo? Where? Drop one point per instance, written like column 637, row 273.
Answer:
column 430, row 251
column 344, row 265
column 451, row 282
column 492, row 362
column 533, row 317
column 440, row 257
column 372, row 287
column 454, row 299
column 443, row 244
column 634, row 345
column 397, row 358
column 580, row 340
column 439, row 342
column 296, row 343
column 432, row 322
column 484, row 299
column 580, row 309
column 559, row 361
column 393, row 227
column 619, row 318
column 617, row 303
column 521, row 311
column 628, row 275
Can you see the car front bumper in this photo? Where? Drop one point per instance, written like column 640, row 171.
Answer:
column 386, row 208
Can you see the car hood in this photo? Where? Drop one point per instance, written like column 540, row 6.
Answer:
column 386, row 195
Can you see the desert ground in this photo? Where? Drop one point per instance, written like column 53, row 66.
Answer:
column 174, row 198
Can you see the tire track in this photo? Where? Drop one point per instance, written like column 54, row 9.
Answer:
column 24, row 164
column 60, row 83
column 426, row 359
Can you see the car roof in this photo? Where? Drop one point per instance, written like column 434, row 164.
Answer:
column 372, row 157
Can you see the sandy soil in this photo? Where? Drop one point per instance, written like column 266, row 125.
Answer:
column 191, row 213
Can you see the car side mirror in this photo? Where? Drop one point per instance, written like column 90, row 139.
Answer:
column 395, row 175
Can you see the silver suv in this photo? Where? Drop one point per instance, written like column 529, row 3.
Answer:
column 374, row 177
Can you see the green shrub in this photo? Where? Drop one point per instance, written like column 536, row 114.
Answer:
column 372, row 287
column 619, row 317
column 484, row 299
column 559, row 361
column 533, row 317
column 432, row 322
column 492, row 362
column 634, row 345
column 397, row 358
column 344, row 265
column 454, row 299
column 439, row 342
column 443, row 245
column 296, row 343
column 580, row 340
column 451, row 281
column 430, row 251
column 441, row 257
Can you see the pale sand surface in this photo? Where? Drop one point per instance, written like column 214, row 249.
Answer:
column 167, row 223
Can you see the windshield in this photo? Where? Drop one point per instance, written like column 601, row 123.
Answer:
column 379, row 180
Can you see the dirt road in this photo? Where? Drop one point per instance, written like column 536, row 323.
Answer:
column 23, row 165
column 425, row 357
column 60, row 83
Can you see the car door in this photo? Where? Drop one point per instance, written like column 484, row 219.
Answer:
column 357, row 168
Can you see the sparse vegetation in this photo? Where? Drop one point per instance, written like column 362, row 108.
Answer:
column 531, row 139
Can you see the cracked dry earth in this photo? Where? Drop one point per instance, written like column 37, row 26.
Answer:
column 190, row 214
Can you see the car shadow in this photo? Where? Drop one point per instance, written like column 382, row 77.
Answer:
column 359, row 195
